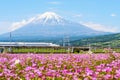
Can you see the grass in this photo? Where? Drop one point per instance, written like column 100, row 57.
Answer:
column 37, row 50
column 53, row 50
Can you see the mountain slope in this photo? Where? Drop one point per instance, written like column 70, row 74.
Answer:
column 48, row 26
column 112, row 40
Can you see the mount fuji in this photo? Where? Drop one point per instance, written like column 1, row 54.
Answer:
column 47, row 26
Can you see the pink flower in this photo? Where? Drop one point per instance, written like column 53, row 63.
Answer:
column 28, row 68
column 70, row 73
column 107, row 69
column 117, row 74
column 1, row 74
column 88, row 72
column 107, row 76
column 94, row 78
column 34, row 65
column 118, row 71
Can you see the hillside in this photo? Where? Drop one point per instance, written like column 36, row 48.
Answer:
column 111, row 40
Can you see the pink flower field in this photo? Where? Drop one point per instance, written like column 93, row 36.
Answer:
column 60, row 66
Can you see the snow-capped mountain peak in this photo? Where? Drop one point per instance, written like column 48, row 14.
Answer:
column 50, row 15
column 49, row 18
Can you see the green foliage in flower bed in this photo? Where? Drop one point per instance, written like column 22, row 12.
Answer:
column 38, row 50
column 54, row 50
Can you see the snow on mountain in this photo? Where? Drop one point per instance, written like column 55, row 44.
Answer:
column 48, row 18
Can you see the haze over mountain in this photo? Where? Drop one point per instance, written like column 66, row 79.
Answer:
column 48, row 26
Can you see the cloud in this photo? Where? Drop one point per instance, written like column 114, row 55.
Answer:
column 113, row 15
column 54, row 2
column 78, row 15
column 17, row 25
column 100, row 27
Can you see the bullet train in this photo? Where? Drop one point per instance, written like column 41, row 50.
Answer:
column 32, row 44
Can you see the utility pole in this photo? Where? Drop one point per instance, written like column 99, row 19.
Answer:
column 10, row 49
column 90, row 50
column 10, row 37
column 109, row 46
column 66, row 41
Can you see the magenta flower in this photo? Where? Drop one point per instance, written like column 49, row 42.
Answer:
column 59, row 66
column 107, row 76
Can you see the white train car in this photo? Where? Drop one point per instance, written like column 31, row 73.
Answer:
column 31, row 44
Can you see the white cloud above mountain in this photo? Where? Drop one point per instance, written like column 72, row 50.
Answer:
column 17, row 25
column 100, row 27
column 78, row 15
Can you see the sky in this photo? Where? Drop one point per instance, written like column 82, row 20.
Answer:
column 102, row 15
